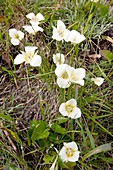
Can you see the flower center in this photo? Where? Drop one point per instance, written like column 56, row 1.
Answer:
column 70, row 152
column 17, row 36
column 64, row 75
column 61, row 33
column 35, row 19
column 28, row 57
column 69, row 108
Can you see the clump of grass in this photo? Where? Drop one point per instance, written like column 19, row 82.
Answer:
column 31, row 126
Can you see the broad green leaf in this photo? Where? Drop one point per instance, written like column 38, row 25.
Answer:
column 33, row 124
column 61, row 119
column 39, row 130
column 107, row 54
column 44, row 134
column 99, row 149
column 58, row 129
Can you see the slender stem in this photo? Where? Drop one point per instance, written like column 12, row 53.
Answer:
column 76, row 91
column 28, row 78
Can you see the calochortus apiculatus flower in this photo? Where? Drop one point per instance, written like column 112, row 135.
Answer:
column 35, row 21
column 70, row 109
column 60, row 32
column 98, row 80
column 75, row 37
column 69, row 152
column 29, row 56
column 58, row 58
column 67, row 75
column 16, row 36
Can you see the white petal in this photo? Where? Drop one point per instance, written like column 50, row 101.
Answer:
column 80, row 73
column 75, row 157
column 34, row 22
column 98, row 80
column 30, row 15
column 15, row 41
column 56, row 35
column 67, row 35
column 19, row 59
column 71, row 145
column 62, row 154
column 30, row 49
column 36, row 61
column 76, row 75
column 60, row 25
column 60, row 69
column 58, row 58
column 40, row 17
column 62, row 110
column 76, row 37
column 29, row 29
column 37, row 28
column 76, row 113
column 63, row 83
column 71, row 102
column 80, row 82
column 12, row 32
column 21, row 35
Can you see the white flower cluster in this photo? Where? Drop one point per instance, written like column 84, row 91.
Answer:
column 66, row 75
column 61, row 33
column 29, row 56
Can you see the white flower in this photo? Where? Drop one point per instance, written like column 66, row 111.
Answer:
column 60, row 33
column 70, row 109
column 98, row 80
column 32, row 29
column 67, row 75
column 77, row 75
column 16, row 36
column 29, row 56
column 63, row 76
column 75, row 37
column 58, row 58
column 69, row 152
column 35, row 19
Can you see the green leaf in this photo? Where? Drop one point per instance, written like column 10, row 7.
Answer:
column 40, row 131
column 70, row 164
column 103, row 9
column 58, row 129
column 14, row 135
column 107, row 54
column 33, row 124
column 61, row 119
column 6, row 117
column 99, row 149
column 45, row 134
column 47, row 159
